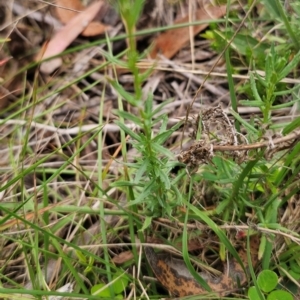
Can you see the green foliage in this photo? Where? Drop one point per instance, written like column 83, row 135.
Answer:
column 257, row 184
column 278, row 10
column 155, row 188
column 277, row 67
column 267, row 282
column 153, row 185
column 289, row 267
column 236, row 182
column 114, row 290
column 243, row 43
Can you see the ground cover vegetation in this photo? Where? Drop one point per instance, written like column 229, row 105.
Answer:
column 149, row 149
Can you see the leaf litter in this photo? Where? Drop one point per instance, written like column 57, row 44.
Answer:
column 77, row 104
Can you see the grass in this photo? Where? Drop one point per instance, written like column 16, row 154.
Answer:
column 83, row 186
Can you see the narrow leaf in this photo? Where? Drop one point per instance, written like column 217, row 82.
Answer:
column 129, row 131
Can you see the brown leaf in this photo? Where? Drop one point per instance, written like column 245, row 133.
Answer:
column 123, row 257
column 173, row 274
column 171, row 41
column 65, row 36
column 68, row 9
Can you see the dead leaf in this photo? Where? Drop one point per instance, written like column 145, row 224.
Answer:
column 66, row 35
column 123, row 257
column 68, row 9
column 171, row 41
column 173, row 274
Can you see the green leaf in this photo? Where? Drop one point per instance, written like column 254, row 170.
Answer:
column 288, row 92
column 254, row 89
column 127, row 130
column 81, row 257
column 141, row 170
column 288, row 161
column 128, row 116
column 245, row 123
column 253, row 294
column 267, row 280
column 160, row 106
column 243, row 44
column 121, row 183
column 148, row 189
column 146, row 74
column 186, row 256
column 280, row 295
column 295, row 266
column 294, row 275
column 293, row 64
column 164, row 178
column 101, row 290
column 162, row 137
column 120, row 90
column 121, row 282
column 146, row 224
column 149, row 106
column 262, row 80
column 291, row 126
column 223, row 238
column 251, row 103
column 178, row 194
column 162, row 150
column 262, row 246
column 164, row 124
column 251, row 271
column 283, row 105
column 246, row 171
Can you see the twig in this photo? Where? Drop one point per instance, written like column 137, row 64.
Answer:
column 293, row 135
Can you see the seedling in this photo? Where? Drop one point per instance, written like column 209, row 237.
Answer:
column 267, row 288
column 113, row 290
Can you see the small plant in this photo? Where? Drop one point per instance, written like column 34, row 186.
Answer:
column 267, row 288
column 277, row 67
column 113, row 290
column 151, row 186
column 157, row 191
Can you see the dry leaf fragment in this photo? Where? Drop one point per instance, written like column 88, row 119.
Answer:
column 123, row 257
column 69, row 9
column 171, row 41
column 173, row 274
column 66, row 35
